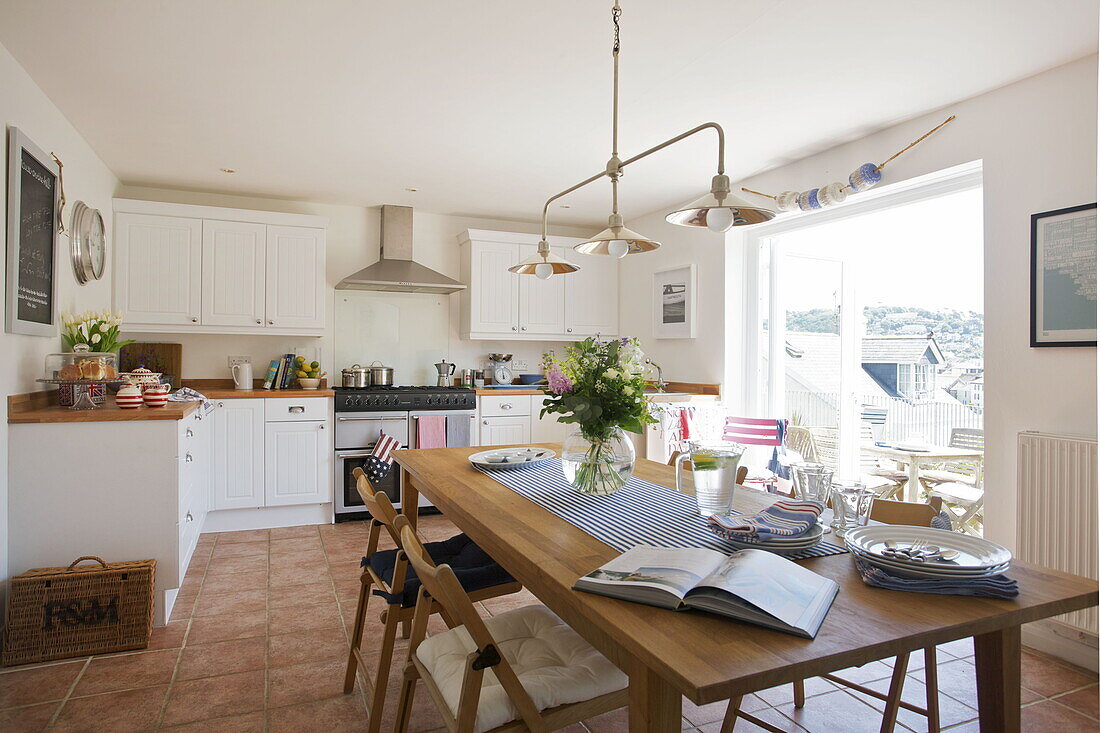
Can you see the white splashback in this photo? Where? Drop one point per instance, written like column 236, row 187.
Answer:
column 407, row 331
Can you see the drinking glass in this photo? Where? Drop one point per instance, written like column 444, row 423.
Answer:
column 851, row 502
column 812, row 481
column 714, row 474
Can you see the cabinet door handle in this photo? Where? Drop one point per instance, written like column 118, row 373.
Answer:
column 271, row 323
column 189, row 517
column 484, row 422
column 221, row 404
column 194, row 319
column 296, row 409
column 190, row 433
column 569, row 330
column 188, row 458
column 321, row 426
column 513, row 328
column 259, row 321
column 524, row 328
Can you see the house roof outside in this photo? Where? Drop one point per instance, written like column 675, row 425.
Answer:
column 901, row 349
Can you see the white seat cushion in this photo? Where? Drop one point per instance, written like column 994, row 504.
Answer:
column 554, row 664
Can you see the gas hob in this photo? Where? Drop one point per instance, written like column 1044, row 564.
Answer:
column 404, row 398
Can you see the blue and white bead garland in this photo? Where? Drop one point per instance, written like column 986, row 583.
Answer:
column 865, row 177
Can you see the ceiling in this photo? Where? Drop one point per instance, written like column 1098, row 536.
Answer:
column 490, row 106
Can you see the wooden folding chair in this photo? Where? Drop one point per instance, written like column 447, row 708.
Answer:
column 453, row 664
column 383, row 516
column 886, row 512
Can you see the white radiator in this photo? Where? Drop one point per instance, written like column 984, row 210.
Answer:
column 1056, row 511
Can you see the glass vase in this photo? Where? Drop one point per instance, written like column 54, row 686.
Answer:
column 598, row 465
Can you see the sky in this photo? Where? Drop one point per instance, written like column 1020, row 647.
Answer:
column 926, row 254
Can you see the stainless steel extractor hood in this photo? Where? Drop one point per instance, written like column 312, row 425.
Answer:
column 395, row 270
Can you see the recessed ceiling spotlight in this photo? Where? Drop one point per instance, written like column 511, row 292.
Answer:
column 412, row 190
column 228, row 170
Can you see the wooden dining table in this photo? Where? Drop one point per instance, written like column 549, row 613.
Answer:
column 709, row 658
column 914, row 458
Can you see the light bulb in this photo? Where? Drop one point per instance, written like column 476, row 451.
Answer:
column 719, row 219
column 618, row 248
column 544, row 270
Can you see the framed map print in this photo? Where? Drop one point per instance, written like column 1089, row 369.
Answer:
column 1063, row 277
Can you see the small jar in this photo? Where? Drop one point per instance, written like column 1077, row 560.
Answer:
column 156, row 395
column 129, row 397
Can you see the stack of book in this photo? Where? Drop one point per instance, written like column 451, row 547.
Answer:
column 280, row 372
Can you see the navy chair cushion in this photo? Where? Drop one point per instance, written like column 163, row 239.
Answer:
column 474, row 568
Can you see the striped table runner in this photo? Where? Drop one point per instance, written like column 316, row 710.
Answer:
column 640, row 513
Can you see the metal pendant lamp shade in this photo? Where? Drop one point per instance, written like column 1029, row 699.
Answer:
column 543, row 265
column 729, row 211
column 617, row 241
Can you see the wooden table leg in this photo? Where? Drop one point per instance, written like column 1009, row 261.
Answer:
column 997, row 658
column 410, row 498
column 912, row 488
column 654, row 703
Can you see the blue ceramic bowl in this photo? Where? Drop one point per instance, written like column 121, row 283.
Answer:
column 531, row 378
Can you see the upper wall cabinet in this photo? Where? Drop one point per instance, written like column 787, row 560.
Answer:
column 498, row 303
column 203, row 269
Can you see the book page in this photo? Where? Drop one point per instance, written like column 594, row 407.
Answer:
column 769, row 582
column 674, row 571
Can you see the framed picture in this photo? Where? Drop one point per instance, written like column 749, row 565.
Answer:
column 674, row 303
column 34, row 198
column 1063, row 277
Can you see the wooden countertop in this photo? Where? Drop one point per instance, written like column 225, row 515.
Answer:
column 674, row 392
column 222, row 389
column 483, row 391
column 42, row 407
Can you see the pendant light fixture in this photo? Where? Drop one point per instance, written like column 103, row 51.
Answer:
column 718, row 211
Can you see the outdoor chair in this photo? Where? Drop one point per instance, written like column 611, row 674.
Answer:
column 522, row 670
column 959, row 484
column 386, row 571
column 887, row 512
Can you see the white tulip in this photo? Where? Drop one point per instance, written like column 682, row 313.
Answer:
column 96, row 338
column 84, row 329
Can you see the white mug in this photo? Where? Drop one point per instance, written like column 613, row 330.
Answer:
column 242, row 375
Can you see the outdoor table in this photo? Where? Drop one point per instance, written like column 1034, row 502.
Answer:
column 914, row 459
column 708, row 658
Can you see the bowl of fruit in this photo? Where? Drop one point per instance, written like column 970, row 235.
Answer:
column 309, row 374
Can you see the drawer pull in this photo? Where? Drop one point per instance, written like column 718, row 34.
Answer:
column 321, row 426
column 194, row 319
column 296, row 409
column 506, row 406
column 190, row 433
column 188, row 458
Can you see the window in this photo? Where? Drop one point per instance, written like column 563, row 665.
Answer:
column 905, row 380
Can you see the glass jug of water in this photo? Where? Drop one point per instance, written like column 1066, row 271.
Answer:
column 714, row 474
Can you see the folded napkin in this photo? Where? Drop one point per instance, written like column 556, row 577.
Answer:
column 992, row 586
column 784, row 519
column 186, row 394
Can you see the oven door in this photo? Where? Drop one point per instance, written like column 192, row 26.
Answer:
column 345, row 494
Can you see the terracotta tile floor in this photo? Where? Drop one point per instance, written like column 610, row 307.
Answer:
column 258, row 642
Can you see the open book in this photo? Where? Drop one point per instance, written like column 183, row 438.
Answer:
column 751, row 585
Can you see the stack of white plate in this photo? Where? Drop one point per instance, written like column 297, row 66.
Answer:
column 975, row 558
column 502, row 458
column 781, row 545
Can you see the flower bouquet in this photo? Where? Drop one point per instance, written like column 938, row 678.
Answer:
column 98, row 330
column 600, row 387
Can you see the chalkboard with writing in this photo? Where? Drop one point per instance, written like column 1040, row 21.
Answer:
column 32, row 236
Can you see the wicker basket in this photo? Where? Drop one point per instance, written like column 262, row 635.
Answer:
column 54, row 613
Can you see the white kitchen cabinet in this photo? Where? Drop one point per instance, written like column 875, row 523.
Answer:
column 541, row 302
column 295, row 277
column 158, row 269
column 299, row 458
column 239, row 454
column 491, row 302
column 498, row 303
column 547, row 429
column 205, row 269
column 505, row 430
column 234, row 274
column 592, row 296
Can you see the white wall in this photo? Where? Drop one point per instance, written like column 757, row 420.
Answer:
column 24, row 105
column 352, row 245
column 1037, row 142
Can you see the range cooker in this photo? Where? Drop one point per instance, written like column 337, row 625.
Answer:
column 362, row 413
